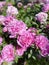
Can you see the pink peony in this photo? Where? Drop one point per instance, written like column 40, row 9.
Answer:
column 2, row 3
column 41, row 17
column 45, row 7
column 11, row 10
column 1, row 39
column 45, row 52
column 20, row 51
column 5, row 20
column 8, row 19
column 8, row 53
column 13, row 26
column 41, row 41
column 45, row 1
column 26, row 39
column 16, row 27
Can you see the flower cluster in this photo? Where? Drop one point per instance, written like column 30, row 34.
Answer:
column 42, row 42
column 41, row 17
column 8, row 53
column 22, row 36
column 12, row 10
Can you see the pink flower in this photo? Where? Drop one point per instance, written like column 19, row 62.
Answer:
column 5, row 20
column 45, row 52
column 13, row 26
column 8, row 53
column 41, row 17
column 26, row 39
column 2, row 3
column 41, row 41
column 45, row 7
column 11, row 10
column 16, row 27
column 1, row 39
column 20, row 51
column 1, row 60
column 45, row 1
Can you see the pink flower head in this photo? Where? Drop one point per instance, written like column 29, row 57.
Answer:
column 45, row 1
column 45, row 8
column 1, row 39
column 47, row 47
column 16, row 27
column 45, row 52
column 8, row 53
column 20, row 51
column 41, row 17
column 41, row 41
column 1, row 60
column 11, row 10
column 8, row 19
column 26, row 39
column 2, row 4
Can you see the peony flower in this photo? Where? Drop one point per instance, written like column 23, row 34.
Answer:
column 2, row 4
column 45, row 7
column 8, row 53
column 8, row 19
column 1, row 39
column 47, row 47
column 16, row 27
column 45, row 1
column 5, row 20
column 20, row 51
column 41, row 17
column 45, row 52
column 26, row 39
column 41, row 41
column 11, row 10
column 13, row 26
